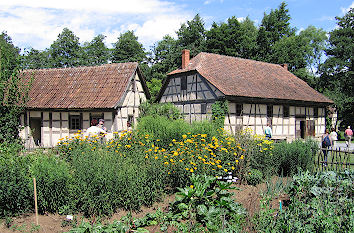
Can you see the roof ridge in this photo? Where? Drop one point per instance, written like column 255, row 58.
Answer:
column 232, row 57
column 78, row 67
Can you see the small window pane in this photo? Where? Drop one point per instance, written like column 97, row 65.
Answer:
column 203, row 108
column 285, row 111
column 315, row 112
column 238, row 109
column 269, row 110
column 183, row 83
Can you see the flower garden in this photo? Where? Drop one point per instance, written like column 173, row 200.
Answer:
column 198, row 163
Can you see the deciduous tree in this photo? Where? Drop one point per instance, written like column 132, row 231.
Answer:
column 65, row 51
column 337, row 77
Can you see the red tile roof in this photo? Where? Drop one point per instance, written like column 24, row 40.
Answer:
column 79, row 87
column 249, row 78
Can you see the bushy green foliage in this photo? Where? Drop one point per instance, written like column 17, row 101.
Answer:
column 254, row 177
column 167, row 110
column 16, row 187
column 207, row 204
column 166, row 130
column 54, row 180
column 289, row 157
column 204, row 206
column 163, row 128
column 318, row 203
column 219, row 110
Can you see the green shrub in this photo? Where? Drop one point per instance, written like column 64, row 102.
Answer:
column 163, row 128
column 318, row 203
column 16, row 186
column 53, row 178
column 167, row 110
column 289, row 157
column 105, row 181
column 254, row 177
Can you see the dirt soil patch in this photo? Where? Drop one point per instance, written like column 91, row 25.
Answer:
column 247, row 195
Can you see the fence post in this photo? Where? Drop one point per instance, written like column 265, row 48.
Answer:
column 35, row 200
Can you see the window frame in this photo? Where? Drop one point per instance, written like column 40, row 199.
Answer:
column 77, row 123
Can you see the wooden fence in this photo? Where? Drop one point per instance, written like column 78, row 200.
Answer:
column 337, row 159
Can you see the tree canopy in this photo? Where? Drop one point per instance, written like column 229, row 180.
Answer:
column 337, row 73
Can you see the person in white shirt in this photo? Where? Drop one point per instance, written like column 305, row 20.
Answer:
column 333, row 136
column 95, row 130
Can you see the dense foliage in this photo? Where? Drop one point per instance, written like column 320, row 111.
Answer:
column 13, row 90
column 318, row 203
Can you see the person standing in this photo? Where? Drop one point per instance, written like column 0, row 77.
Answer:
column 348, row 136
column 334, row 137
column 268, row 132
column 326, row 143
column 95, row 130
column 101, row 124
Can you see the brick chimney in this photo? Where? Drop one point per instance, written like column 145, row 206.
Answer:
column 185, row 58
column 285, row 66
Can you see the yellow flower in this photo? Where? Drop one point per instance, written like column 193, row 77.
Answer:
column 184, row 136
column 175, row 153
column 236, row 161
column 233, row 168
column 166, row 163
column 191, row 170
column 225, row 170
column 219, row 166
column 191, row 186
column 128, row 146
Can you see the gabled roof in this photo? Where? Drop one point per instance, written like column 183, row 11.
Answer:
column 81, row 87
column 249, row 78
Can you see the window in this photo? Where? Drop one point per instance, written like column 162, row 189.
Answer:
column 269, row 110
column 183, row 83
column 286, row 111
column 315, row 112
column 75, row 122
column 133, row 85
column 130, row 121
column 203, row 108
column 239, row 109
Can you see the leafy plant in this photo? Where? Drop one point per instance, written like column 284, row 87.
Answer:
column 254, row 177
column 320, row 202
column 208, row 204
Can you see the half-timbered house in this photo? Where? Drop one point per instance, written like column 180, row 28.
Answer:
column 257, row 92
column 65, row 100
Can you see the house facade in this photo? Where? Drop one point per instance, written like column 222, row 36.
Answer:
column 257, row 93
column 63, row 101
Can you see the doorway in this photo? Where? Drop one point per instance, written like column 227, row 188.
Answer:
column 35, row 126
column 300, row 128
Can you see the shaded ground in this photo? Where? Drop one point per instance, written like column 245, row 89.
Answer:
column 249, row 196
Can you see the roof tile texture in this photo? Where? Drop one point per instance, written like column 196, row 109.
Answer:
column 249, row 78
column 79, row 87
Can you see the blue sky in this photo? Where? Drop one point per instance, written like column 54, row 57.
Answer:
column 37, row 23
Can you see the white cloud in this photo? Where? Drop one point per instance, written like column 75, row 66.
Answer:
column 345, row 10
column 106, row 6
column 37, row 23
column 207, row 2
